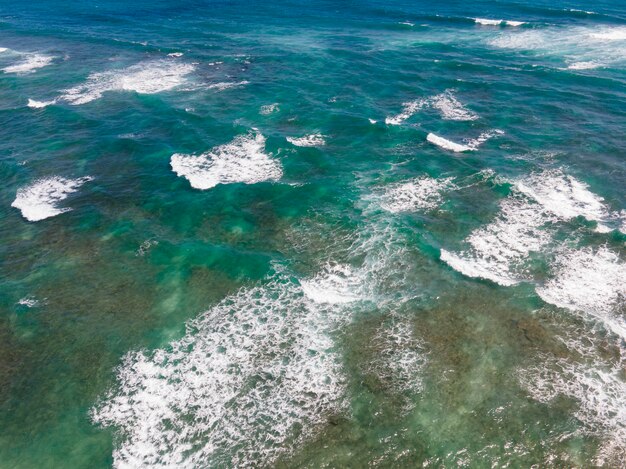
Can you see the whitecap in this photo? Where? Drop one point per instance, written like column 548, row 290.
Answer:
column 423, row 193
column 41, row 199
column 312, row 140
column 610, row 34
column 471, row 144
column 579, row 46
column 564, row 196
column 591, row 281
column 39, row 104
column 269, row 109
column 144, row 78
column 588, row 65
column 29, row 302
column 576, row 10
column 227, row 85
column 448, row 144
column 242, row 160
column 30, row 63
column 528, row 40
column 595, row 383
column 146, row 246
column 491, row 22
column 253, row 376
column 400, row 358
column 474, row 143
column 497, row 251
column 488, row 22
column 446, row 103
column 334, row 284
column 408, row 110
column 451, row 108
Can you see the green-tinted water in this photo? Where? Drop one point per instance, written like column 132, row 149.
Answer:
column 321, row 235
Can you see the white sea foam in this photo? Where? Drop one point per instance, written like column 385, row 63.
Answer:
column 334, row 284
column 242, row 160
column 39, row 104
column 380, row 266
column 483, row 137
column 423, row 193
column 564, row 196
column 400, row 358
column 386, row 260
column 448, row 144
column 446, row 103
column 29, row 64
column 253, row 377
column 227, row 85
column 146, row 246
column 451, row 108
column 259, row 373
column 527, row 40
column 590, row 281
column 491, row 22
column 269, row 109
column 610, row 34
column 41, row 199
column 596, row 384
column 3, row 49
column 408, row 110
column 312, row 140
column 488, row 22
column 588, row 12
column 144, row 78
column 581, row 47
column 29, row 302
column 498, row 251
column 175, row 54
column 588, row 65
column 372, row 121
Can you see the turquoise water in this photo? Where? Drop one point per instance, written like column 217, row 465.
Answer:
column 312, row 234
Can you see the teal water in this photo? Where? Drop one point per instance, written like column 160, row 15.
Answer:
column 312, row 234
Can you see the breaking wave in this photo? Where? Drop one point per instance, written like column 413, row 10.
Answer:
column 144, row 78
column 490, row 22
column 41, row 199
column 446, row 103
column 591, row 281
column 469, row 145
column 242, row 160
column 312, row 140
column 594, row 382
column 252, row 377
column 29, row 63
column 423, row 193
column 525, row 224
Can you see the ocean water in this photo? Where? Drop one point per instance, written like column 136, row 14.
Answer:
column 312, row 234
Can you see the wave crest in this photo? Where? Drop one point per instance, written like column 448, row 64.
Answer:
column 242, row 160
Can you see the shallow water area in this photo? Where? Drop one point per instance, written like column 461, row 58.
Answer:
column 312, row 234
